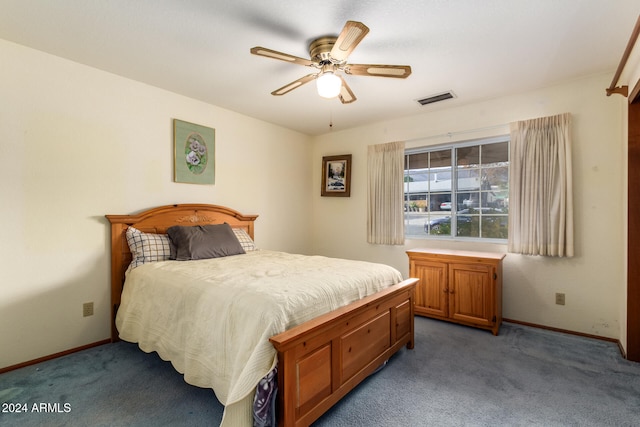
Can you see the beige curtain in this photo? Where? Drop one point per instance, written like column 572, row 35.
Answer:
column 540, row 187
column 385, row 196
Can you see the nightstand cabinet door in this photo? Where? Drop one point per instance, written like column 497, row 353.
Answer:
column 471, row 296
column 431, row 292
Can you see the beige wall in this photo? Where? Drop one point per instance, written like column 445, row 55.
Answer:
column 76, row 144
column 593, row 280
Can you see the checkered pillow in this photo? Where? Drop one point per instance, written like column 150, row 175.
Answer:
column 148, row 247
column 244, row 239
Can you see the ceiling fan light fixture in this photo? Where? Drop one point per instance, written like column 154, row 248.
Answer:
column 328, row 55
column 328, row 85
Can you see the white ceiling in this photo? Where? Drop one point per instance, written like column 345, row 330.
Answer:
column 479, row 49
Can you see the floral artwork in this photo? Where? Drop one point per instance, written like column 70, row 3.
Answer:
column 194, row 153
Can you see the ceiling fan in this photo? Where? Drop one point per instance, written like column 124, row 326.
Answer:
column 329, row 56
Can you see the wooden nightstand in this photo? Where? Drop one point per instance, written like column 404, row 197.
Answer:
column 458, row 286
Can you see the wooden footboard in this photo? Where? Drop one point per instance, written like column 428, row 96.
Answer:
column 321, row 360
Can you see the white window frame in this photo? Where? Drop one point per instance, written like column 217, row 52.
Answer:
column 410, row 217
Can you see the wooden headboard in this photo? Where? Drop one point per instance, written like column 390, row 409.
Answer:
column 157, row 220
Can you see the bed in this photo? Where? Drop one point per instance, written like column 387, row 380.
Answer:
column 319, row 356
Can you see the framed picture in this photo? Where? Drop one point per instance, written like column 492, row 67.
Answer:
column 336, row 176
column 194, row 153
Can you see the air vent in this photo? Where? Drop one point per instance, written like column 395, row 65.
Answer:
column 436, row 98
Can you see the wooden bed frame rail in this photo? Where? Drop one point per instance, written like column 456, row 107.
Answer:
column 320, row 361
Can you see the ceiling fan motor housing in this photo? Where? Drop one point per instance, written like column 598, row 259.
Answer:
column 320, row 49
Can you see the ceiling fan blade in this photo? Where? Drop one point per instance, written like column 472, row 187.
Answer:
column 351, row 35
column 346, row 94
column 262, row 51
column 294, row 85
column 397, row 71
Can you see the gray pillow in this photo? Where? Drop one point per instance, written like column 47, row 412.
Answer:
column 204, row 241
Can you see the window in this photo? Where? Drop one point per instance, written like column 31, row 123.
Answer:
column 459, row 191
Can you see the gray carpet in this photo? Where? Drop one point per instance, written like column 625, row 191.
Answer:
column 455, row 376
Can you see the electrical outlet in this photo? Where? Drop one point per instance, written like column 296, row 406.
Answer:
column 87, row 309
column 560, row 299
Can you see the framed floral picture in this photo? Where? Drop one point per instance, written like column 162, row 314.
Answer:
column 194, row 153
column 336, row 176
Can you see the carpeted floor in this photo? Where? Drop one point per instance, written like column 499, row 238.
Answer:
column 455, row 376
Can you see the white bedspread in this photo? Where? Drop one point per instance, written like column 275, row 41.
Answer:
column 213, row 318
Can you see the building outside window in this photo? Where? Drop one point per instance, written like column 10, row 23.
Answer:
column 459, row 191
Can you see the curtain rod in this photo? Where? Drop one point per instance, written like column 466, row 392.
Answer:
column 623, row 90
column 460, row 132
